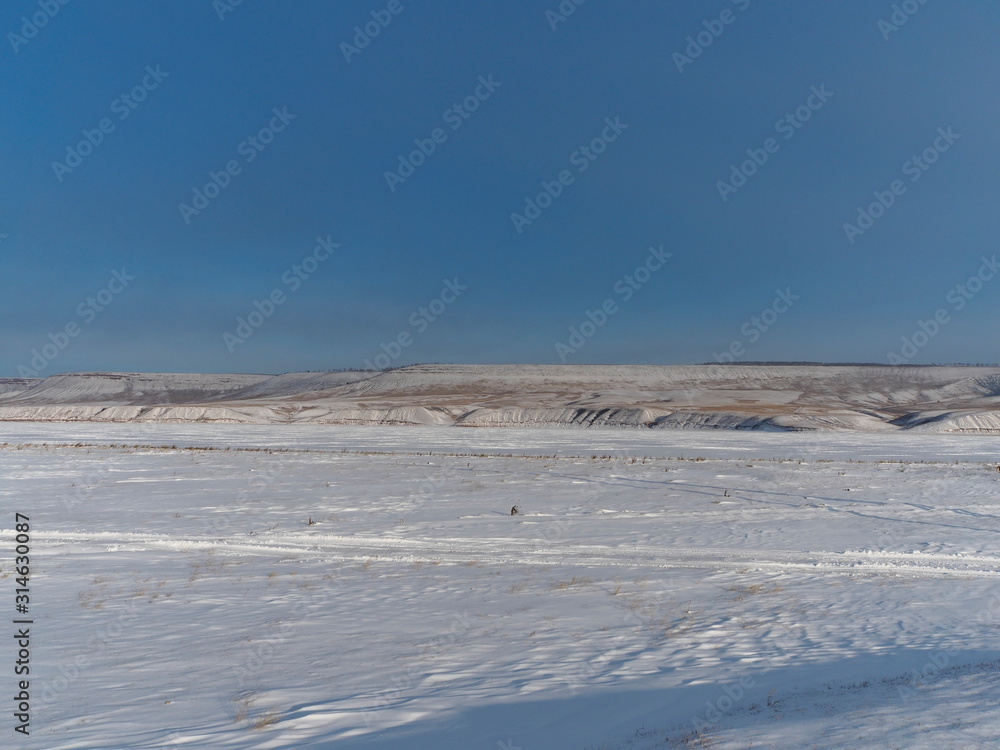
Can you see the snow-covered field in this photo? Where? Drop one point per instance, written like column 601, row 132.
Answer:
column 659, row 588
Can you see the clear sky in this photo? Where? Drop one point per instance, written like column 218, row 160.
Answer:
column 496, row 182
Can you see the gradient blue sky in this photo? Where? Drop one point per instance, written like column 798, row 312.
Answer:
column 657, row 184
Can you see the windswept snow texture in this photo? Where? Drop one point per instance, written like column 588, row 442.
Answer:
column 658, row 589
column 756, row 397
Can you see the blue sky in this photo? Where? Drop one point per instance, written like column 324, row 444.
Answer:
column 437, row 258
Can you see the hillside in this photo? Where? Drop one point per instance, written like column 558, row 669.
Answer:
column 768, row 397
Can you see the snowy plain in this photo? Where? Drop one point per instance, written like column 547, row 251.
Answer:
column 658, row 589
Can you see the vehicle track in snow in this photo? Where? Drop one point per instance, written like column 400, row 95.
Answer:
column 508, row 551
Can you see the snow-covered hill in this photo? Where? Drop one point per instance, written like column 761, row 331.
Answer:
column 124, row 388
column 768, row 397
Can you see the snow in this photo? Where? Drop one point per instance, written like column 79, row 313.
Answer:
column 131, row 388
column 857, row 398
column 657, row 589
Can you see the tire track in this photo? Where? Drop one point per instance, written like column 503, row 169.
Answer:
column 520, row 552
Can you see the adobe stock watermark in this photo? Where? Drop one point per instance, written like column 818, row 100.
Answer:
column 250, row 148
column 754, row 328
column 901, row 13
column 988, row 617
column 455, row 116
column 714, row 28
column 83, row 488
column 364, row 34
column 646, row 615
column 405, row 679
column 562, row 12
column 96, row 644
column 914, row 168
column 232, row 517
column 581, row 158
column 262, row 651
column 30, row 26
column 432, row 484
column 87, row 311
column 786, row 127
column 784, row 644
column 292, row 278
column 420, row 321
column 625, row 288
column 223, row 7
column 957, row 298
column 122, row 106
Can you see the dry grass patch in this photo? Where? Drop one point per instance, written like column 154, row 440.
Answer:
column 562, row 585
